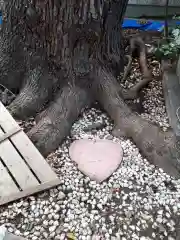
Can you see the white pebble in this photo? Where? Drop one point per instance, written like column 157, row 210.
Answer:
column 52, row 229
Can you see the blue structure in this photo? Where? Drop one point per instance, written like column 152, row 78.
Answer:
column 151, row 25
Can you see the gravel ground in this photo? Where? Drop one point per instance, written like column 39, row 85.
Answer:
column 138, row 201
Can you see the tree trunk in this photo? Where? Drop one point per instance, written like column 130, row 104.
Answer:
column 61, row 55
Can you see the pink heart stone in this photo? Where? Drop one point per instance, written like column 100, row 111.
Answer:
column 96, row 159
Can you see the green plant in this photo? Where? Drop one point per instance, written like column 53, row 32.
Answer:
column 170, row 47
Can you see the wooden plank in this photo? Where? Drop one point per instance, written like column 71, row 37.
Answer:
column 10, row 236
column 31, row 155
column 7, row 185
column 29, row 191
column 16, row 165
column 9, row 134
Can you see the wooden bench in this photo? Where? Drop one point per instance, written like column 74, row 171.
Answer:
column 10, row 236
column 23, row 170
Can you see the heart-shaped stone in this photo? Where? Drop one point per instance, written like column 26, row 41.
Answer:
column 96, row 159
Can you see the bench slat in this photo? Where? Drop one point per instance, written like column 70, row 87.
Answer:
column 7, row 185
column 31, row 155
column 16, row 165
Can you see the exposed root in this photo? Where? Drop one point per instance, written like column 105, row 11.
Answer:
column 25, row 38
column 37, row 90
column 133, row 92
column 143, row 61
column 128, row 94
column 140, row 85
column 94, row 126
column 128, row 68
column 158, row 147
column 137, row 43
column 56, row 122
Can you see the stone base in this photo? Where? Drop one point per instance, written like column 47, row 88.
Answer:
column 171, row 87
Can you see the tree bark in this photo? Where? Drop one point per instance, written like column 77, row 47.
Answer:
column 55, row 123
column 61, row 55
column 161, row 149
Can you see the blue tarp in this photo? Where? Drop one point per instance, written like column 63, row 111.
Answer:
column 151, row 25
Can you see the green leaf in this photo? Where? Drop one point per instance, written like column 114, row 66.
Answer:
column 167, row 52
column 172, row 44
column 177, row 40
column 176, row 32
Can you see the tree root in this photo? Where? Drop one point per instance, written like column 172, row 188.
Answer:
column 137, row 43
column 143, row 61
column 28, row 46
column 56, row 121
column 128, row 68
column 37, row 90
column 158, row 147
column 133, row 92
